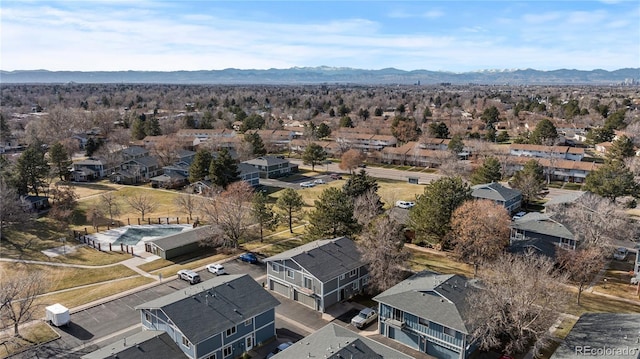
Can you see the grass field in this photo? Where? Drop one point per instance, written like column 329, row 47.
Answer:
column 35, row 334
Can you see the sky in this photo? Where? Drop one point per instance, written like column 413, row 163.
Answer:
column 455, row 36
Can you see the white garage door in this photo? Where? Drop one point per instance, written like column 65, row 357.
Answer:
column 305, row 299
column 279, row 288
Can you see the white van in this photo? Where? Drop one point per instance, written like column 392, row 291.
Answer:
column 189, row 275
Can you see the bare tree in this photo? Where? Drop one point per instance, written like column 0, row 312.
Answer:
column 230, row 213
column 165, row 149
column 367, row 206
column 594, row 221
column 18, row 293
column 12, row 208
column 479, row 232
column 141, row 203
column 110, row 204
column 580, row 265
column 382, row 248
column 65, row 201
column 519, row 299
column 187, row 204
column 351, row 159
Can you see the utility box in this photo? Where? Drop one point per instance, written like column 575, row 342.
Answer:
column 58, row 315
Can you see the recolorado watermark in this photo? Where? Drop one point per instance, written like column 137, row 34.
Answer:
column 605, row 351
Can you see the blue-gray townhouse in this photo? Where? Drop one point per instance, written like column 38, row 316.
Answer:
column 223, row 317
column 427, row 312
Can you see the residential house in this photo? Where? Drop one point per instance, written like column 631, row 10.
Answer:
column 137, row 169
column 170, row 180
column 602, row 335
column 436, row 144
column 271, row 166
column 541, row 233
column 334, row 341
column 223, row 317
column 364, row 141
column 603, row 147
column 133, row 152
column 540, row 151
column 428, row 313
column 557, row 169
column 88, row 169
column 318, row 274
column 147, row 344
column 249, row 174
column 411, row 153
column 36, row 203
column 509, row 198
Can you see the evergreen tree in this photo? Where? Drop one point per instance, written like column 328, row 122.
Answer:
column 152, row 127
column 60, row 160
column 199, row 168
column 358, row 184
column 138, row 129
column 613, row 180
column 91, row 147
column 490, row 115
column 333, row 215
column 314, row 154
column 439, row 130
column 263, row 213
column 430, row 218
column 5, row 131
column 345, row 121
column 257, row 145
column 530, row 181
column 223, row 170
column 490, row 171
column 621, row 149
column 32, row 169
column 323, row 130
column 456, row 145
column 290, row 201
column 545, row 133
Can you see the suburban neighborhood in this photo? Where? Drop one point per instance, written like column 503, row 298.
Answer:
column 449, row 222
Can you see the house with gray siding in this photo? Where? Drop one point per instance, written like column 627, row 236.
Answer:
column 147, row 344
column 541, row 233
column 334, row 341
column 223, row 317
column 249, row 174
column 318, row 274
column 509, row 198
column 428, row 313
column 271, row 166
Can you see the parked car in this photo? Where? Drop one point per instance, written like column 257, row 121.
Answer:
column 307, row 184
column 249, row 258
column 621, row 253
column 518, row 215
column 364, row 318
column 405, row 204
column 362, row 165
column 279, row 348
column 319, row 181
column 335, row 176
column 189, row 275
column 216, row 269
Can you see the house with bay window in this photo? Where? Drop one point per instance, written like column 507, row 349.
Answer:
column 223, row 317
column 428, row 313
column 318, row 274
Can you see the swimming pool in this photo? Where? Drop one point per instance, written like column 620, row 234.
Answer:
column 133, row 235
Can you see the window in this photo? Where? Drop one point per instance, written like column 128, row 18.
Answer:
column 354, row 285
column 226, row 351
column 247, row 323
column 449, row 331
column 211, row 356
column 308, row 283
column 365, row 280
column 185, row 342
column 424, row 322
column 353, row 273
column 231, row 331
column 147, row 316
column 289, row 273
column 275, row 267
column 342, row 277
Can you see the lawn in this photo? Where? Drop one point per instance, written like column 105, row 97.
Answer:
column 590, row 302
column 35, row 334
column 67, row 277
column 440, row 263
column 618, row 280
column 80, row 296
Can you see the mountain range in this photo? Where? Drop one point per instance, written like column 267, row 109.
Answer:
column 329, row 75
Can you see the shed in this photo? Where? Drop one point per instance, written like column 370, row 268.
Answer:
column 178, row 244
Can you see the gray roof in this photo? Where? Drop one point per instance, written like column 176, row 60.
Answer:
column 495, row 192
column 605, row 331
column 543, row 224
column 167, row 177
column 333, row 341
column 208, row 308
column 266, row 161
column 539, row 245
column 134, row 151
column 440, row 298
column 187, row 236
column 246, row 168
column 324, row 259
column 147, row 161
column 89, row 162
column 147, row 344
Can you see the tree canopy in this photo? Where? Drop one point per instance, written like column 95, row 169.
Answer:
column 257, row 145
column 332, row 216
column 32, row 170
column 60, row 160
column 199, row 168
column 289, row 202
column 612, row 180
column 490, row 171
column 438, row 130
column 545, row 133
column 430, row 218
column 313, row 155
column 223, row 169
column 530, row 181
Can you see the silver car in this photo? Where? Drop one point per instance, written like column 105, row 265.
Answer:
column 364, row 318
